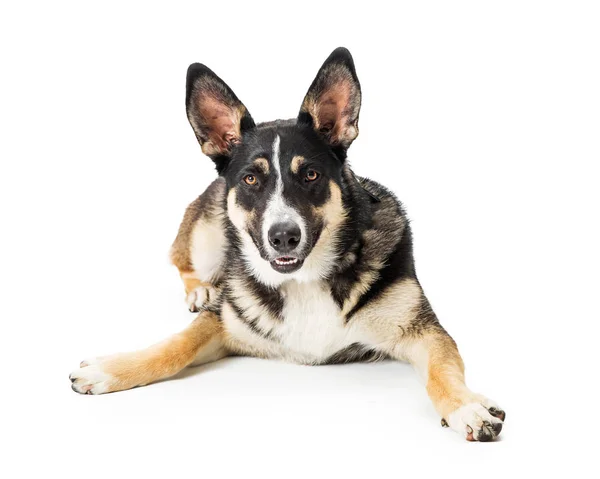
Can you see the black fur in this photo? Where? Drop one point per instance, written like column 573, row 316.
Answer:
column 374, row 240
column 251, row 322
column 354, row 353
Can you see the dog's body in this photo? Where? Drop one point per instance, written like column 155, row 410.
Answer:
column 327, row 314
column 290, row 255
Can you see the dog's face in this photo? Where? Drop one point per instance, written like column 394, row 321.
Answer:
column 283, row 190
column 284, row 178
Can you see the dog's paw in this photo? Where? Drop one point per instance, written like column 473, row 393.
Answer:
column 481, row 420
column 91, row 377
column 200, row 297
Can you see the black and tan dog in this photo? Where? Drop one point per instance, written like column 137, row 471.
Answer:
column 290, row 255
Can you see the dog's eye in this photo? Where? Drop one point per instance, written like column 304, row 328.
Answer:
column 250, row 179
column 311, row 175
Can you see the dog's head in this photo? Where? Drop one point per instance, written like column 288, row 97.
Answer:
column 284, row 178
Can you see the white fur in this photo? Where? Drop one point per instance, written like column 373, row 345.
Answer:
column 472, row 416
column 319, row 262
column 200, row 296
column 90, row 378
column 212, row 351
column 312, row 328
column 277, row 209
column 315, row 266
column 208, row 248
column 313, row 324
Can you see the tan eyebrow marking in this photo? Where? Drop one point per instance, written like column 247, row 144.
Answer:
column 296, row 162
column 263, row 164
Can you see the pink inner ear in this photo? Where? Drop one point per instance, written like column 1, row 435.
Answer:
column 333, row 110
column 221, row 122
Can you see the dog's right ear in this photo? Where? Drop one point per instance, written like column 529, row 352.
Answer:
column 217, row 116
column 332, row 104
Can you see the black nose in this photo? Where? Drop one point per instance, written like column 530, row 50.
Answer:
column 284, row 237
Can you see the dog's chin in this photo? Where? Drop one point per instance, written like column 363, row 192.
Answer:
column 286, row 264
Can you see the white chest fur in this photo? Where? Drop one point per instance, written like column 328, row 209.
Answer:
column 312, row 328
column 312, row 323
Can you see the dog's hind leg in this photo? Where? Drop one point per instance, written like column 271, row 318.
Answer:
column 201, row 342
column 198, row 249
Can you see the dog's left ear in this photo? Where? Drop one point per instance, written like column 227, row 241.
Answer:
column 332, row 103
column 217, row 116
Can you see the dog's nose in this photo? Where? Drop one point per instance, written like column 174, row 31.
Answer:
column 284, row 237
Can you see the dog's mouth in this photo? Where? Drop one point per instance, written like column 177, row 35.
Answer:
column 286, row 264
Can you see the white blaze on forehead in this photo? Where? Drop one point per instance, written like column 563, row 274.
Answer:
column 278, row 210
column 277, row 165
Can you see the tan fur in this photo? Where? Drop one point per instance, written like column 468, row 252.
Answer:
column 180, row 251
column 392, row 322
column 237, row 215
column 445, row 375
column 334, row 308
column 207, row 204
column 435, row 356
column 190, row 282
column 296, row 163
column 333, row 210
column 201, row 214
column 263, row 164
column 398, row 322
column 333, row 215
column 128, row 370
column 388, row 316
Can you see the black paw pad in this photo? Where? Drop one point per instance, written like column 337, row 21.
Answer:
column 486, row 433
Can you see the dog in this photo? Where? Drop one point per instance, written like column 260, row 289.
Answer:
column 290, row 255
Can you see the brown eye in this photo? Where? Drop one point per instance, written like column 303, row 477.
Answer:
column 250, row 179
column 311, row 175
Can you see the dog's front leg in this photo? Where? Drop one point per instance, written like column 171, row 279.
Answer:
column 198, row 294
column 200, row 342
column 402, row 324
column 435, row 355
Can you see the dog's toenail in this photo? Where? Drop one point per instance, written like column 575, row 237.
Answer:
column 500, row 414
column 444, row 423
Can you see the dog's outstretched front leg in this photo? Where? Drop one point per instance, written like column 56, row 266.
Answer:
column 402, row 324
column 435, row 355
column 201, row 342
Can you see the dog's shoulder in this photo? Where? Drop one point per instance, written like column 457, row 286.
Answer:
column 381, row 254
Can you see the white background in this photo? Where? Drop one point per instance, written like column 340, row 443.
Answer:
column 484, row 118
